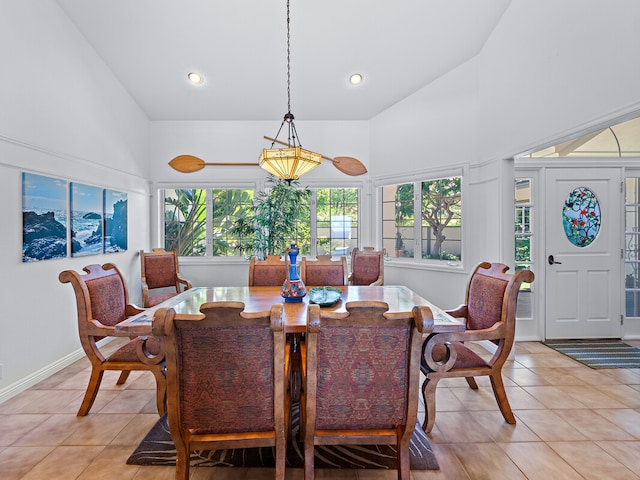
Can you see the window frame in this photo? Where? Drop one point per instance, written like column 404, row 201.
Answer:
column 256, row 186
column 417, row 178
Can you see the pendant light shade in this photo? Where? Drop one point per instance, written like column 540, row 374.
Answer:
column 293, row 161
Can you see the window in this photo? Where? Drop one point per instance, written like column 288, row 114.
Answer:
column 229, row 205
column 437, row 230
column 336, row 214
column 185, row 223
column 198, row 222
column 632, row 247
column 523, row 242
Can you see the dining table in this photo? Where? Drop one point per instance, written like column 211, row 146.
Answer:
column 260, row 299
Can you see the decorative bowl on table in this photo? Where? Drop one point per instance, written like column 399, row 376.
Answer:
column 325, row 296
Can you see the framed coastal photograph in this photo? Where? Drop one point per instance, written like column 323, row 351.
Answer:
column 44, row 217
column 86, row 220
column 115, row 221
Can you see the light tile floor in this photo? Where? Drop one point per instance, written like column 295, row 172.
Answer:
column 572, row 423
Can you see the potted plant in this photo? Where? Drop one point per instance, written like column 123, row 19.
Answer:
column 399, row 244
column 276, row 212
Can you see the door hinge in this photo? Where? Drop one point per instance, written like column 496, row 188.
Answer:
column 621, row 319
column 622, row 254
column 621, row 187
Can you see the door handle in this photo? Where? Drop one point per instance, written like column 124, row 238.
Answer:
column 552, row 260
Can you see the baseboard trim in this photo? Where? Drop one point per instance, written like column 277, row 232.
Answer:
column 29, row 381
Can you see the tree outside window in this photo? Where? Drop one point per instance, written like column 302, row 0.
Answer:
column 438, row 211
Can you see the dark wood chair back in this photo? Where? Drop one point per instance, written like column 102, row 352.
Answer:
column 367, row 267
column 362, row 358
column 270, row 272
column 324, row 271
column 226, row 380
column 159, row 270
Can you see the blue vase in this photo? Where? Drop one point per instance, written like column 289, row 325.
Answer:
column 292, row 289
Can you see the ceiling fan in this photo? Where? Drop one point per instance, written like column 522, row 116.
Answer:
column 189, row 163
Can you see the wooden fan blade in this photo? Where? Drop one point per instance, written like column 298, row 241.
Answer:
column 187, row 163
column 349, row 165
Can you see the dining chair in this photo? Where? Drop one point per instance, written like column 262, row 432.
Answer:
column 490, row 314
column 367, row 266
column 270, row 272
column 160, row 272
column 102, row 301
column 324, row 271
column 361, row 378
column 225, row 380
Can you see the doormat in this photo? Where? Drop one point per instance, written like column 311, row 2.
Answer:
column 598, row 353
column 157, row 448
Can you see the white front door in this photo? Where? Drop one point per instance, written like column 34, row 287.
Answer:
column 583, row 255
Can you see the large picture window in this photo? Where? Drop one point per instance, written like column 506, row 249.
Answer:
column 198, row 222
column 423, row 220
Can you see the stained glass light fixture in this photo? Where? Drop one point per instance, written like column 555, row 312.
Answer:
column 293, row 161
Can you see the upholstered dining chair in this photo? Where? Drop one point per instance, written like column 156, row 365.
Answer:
column 159, row 269
column 324, row 271
column 225, row 380
column 490, row 314
column 270, row 272
column 102, row 302
column 367, row 266
column 361, row 378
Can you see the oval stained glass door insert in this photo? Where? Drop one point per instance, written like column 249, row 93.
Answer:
column 581, row 217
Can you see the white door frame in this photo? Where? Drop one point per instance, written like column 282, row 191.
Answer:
column 535, row 168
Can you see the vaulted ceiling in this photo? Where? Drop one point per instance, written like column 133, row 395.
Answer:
column 240, row 47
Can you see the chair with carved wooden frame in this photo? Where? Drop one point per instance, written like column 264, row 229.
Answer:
column 364, row 356
column 159, row 270
column 225, row 380
column 270, row 272
column 102, row 302
column 367, row 267
column 490, row 313
column 324, row 271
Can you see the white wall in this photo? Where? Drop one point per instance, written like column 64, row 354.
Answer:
column 550, row 69
column 553, row 68
column 63, row 115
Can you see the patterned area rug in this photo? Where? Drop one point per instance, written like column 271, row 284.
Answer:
column 598, row 353
column 157, row 448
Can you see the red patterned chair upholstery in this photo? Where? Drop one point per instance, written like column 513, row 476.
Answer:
column 159, row 269
column 367, row 267
column 271, row 272
column 102, row 302
column 490, row 313
column 324, row 271
column 361, row 378
column 225, row 380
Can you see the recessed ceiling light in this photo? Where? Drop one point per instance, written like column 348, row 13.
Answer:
column 355, row 79
column 195, row 78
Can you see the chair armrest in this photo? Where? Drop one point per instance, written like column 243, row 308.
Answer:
column 495, row 332
column 461, row 312
column 146, row 356
column 184, row 282
column 130, row 310
column 145, row 292
column 376, row 283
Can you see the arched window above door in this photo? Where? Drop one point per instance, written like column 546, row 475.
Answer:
column 621, row 140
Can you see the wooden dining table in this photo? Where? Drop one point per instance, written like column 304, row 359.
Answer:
column 260, row 299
